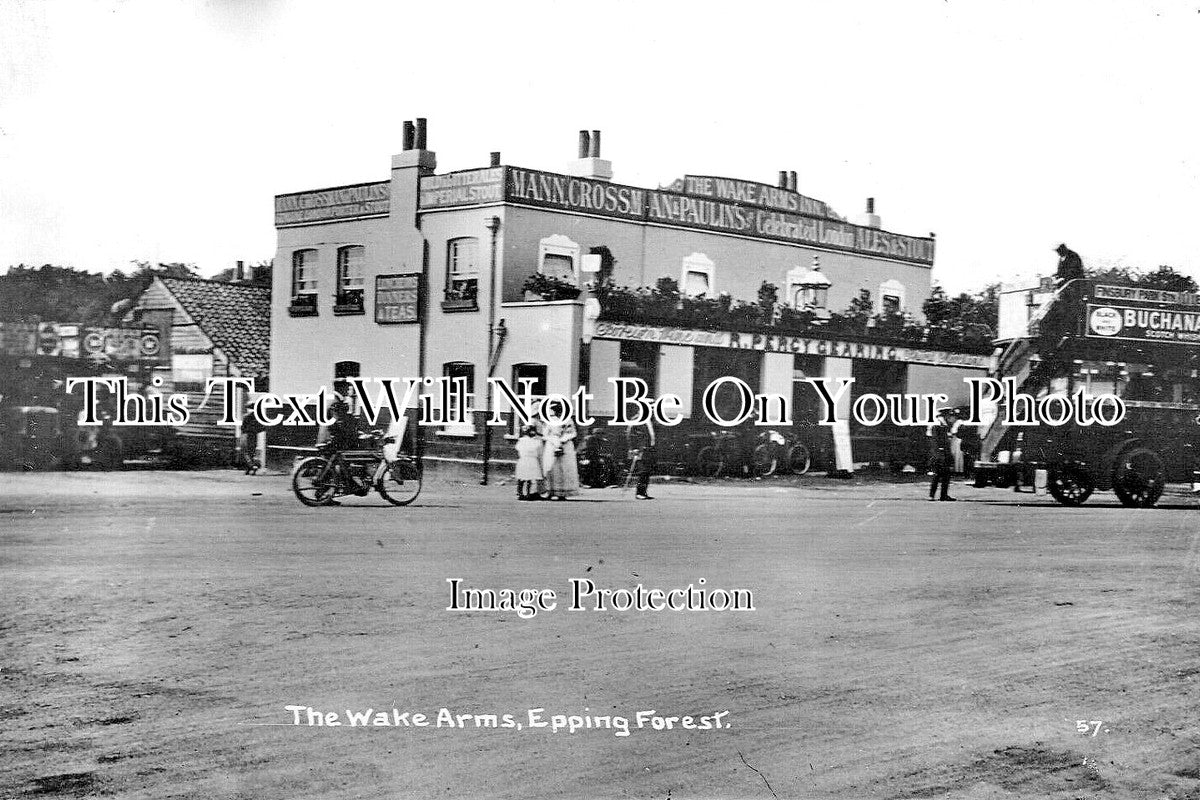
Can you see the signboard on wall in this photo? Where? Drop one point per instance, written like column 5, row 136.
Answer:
column 753, row 194
column 1143, row 324
column 765, row 223
column 122, row 344
column 397, row 298
column 72, row 341
column 719, row 205
column 551, row 190
column 787, row 343
column 343, row 202
column 470, row 187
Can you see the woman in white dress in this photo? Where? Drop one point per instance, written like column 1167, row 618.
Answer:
column 558, row 460
column 529, row 464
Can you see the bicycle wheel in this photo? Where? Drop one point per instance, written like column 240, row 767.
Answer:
column 310, row 483
column 765, row 461
column 401, row 481
column 799, row 459
column 710, row 462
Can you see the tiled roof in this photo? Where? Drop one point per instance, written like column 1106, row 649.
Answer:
column 236, row 317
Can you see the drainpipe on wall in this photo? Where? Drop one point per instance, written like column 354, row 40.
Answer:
column 493, row 225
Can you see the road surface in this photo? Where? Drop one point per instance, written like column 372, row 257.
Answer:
column 156, row 627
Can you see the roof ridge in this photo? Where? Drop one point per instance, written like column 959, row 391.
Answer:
column 212, row 281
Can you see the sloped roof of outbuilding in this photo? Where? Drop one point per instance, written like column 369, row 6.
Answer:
column 235, row 316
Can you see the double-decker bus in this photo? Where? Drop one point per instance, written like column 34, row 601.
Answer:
column 1138, row 344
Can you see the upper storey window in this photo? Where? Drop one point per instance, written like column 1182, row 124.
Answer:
column 304, row 272
column 697, row 277
column 304, row 284
column 462, row 273
column 558, row 257
column 351, row 262
column 891, row 297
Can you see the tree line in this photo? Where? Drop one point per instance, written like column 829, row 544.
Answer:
column 52, row 293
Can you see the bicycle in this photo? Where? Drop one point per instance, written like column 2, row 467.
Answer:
column 778, row 452
column 319, row 480
column 726, row 452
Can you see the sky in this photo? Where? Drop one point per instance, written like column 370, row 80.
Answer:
column 162, row 130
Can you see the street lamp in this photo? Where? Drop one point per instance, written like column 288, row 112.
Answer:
column 815, row 286
column 809, row 291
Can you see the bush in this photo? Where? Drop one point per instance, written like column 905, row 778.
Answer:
column 550, row 288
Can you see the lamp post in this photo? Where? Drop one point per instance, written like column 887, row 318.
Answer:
column 493, row 225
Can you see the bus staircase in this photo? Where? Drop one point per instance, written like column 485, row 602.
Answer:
column 1018, row 362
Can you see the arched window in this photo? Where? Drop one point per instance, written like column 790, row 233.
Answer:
column 558, row 257
column 343, row 370
column 462, row 272
column 536, row 373
column 463, row 372
column 696, row 278
column 891, row 297
column 347, row 369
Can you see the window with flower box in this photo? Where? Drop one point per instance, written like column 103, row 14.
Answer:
column 462, row 275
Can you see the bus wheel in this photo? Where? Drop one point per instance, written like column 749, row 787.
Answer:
column 1070, row 484
column 1139, row 478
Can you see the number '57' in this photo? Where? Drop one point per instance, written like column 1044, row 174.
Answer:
column 1082, row 726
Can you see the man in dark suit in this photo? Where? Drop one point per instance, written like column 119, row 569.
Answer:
column 642, row 439
column 940, row 458
column 1070, row 265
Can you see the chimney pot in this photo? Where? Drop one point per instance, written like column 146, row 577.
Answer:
column 792, row 180
column 870, row 205
column 239, row 272
column 595, row 144
column 783, row 179
column 421, row 133
column 495, row 158
column 408, row 134
column 585, row 144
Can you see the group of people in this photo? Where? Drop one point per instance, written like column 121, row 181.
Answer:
column 546, row 466
column 547, row 469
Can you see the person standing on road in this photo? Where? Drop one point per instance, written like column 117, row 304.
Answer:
column 529, row 464
column 940, row 458
column 643, row 440
column 558, row 460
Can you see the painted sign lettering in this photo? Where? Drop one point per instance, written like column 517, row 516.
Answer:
column 1141, row 324
column 397, row 298
column 344, row 202
column 787, row 343
column 471, row 187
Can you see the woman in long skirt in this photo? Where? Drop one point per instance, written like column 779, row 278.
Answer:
column 558, row 461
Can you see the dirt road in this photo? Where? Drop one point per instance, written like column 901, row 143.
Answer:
column 156, row 626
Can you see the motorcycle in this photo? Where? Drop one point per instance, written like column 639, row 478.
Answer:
column 319, row 480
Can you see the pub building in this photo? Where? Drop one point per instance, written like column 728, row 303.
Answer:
column 487, row 271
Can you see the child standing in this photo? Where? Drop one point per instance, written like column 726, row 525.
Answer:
column 529, row 463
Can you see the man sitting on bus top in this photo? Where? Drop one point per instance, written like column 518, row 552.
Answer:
column 1070, row 265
